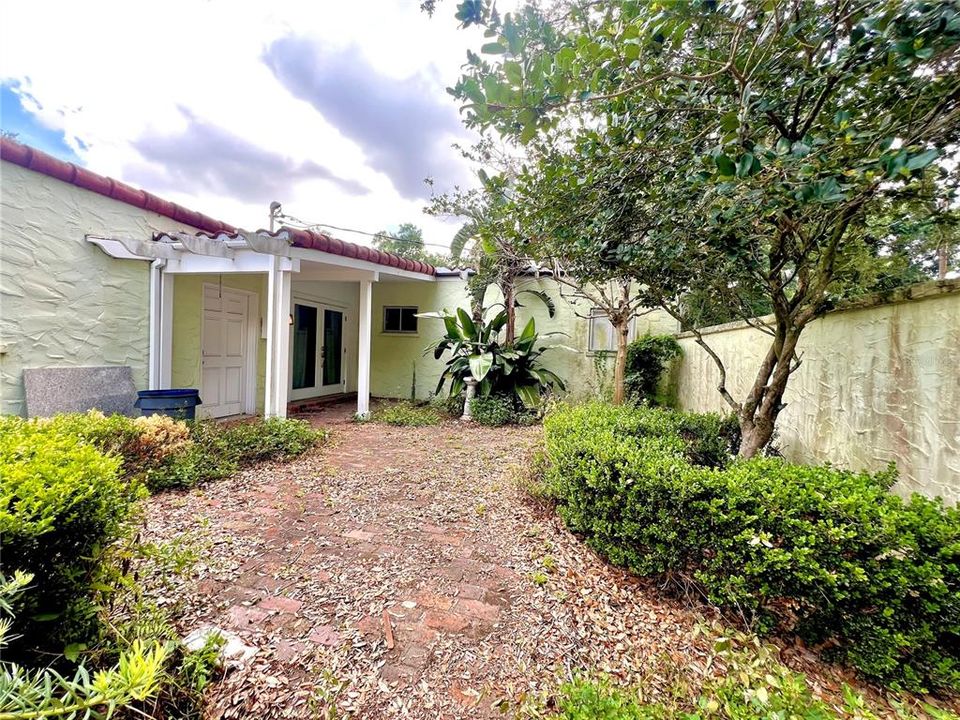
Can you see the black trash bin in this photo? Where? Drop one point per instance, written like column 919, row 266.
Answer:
column 179, row 403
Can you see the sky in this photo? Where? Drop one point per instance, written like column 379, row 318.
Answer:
column 338, row 110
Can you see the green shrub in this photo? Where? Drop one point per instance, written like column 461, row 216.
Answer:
column 647, row 358
column 217, row 451
column 822, row 552
column 407, row 414
column 62, row 503
column 270, row 439
column 492, row 411
column 140, row 442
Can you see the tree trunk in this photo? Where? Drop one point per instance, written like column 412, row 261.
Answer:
column 758, row 415
column 622, row 329
column 509, row 300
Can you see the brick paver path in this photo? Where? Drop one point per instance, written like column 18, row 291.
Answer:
column 399, row 572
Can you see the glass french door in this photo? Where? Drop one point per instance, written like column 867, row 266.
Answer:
column 316, row 357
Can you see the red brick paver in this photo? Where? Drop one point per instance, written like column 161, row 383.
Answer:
column 418, row 528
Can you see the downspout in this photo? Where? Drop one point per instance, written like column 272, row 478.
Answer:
column 153, row 355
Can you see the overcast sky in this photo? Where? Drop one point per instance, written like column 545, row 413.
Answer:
column 339, row 110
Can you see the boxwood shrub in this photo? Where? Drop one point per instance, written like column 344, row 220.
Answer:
column 826, row 553
column 62, row 503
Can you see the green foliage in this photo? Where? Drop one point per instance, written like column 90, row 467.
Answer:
column 585, row 699
column 62, row 504
column 450, row 405
column 499, row 409
column 647, row 357
column 406, row 242
column 168, row 453
column 498, row 368
column 753, row 685
column 732, row 151
column 218, row 451
column 492, row 411
column 825, row 553
column 48, row 694
column 198, row 667
column 270, row 439
column 407, row 414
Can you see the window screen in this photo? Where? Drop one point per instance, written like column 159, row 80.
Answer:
column 602, row 336
column 400, row 319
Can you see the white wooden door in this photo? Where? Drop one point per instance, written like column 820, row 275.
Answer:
column 224, row 351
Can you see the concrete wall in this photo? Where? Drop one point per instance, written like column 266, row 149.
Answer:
column 401, row 369
column 63, row 302
column 878, row 383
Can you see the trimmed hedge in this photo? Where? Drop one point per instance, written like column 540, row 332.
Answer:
column 826, row 553
column 62, row 503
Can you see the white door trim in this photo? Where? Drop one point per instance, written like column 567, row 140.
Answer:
column 319, row 389
column 250, row 347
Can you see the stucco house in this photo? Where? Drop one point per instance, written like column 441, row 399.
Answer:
column 94, row 272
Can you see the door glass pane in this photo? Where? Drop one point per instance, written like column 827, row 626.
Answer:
column 332, row 346
column 304, row 346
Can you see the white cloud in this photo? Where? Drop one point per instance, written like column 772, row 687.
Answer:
column 121, row 79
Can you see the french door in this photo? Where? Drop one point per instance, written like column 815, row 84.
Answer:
column 317, row 350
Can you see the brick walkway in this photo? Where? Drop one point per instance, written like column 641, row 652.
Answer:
column 393, row 574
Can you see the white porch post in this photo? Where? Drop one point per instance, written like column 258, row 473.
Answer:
column 165, row 361
column 153, row 351
column 278, row 340
column 363, row 360
column 161, row 326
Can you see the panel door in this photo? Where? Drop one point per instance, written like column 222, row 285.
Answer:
column 224, row 361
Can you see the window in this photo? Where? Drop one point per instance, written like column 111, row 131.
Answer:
column 400, row 319
column 602, row 336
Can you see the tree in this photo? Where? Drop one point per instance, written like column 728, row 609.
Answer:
column 496, row 246
column 406, row 242
column 764, row 132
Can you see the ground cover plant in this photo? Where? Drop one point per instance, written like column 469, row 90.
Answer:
column 831, row 555
column 751, row 682
column 408, row 414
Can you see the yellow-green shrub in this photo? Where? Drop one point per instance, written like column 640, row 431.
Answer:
column 62, row 503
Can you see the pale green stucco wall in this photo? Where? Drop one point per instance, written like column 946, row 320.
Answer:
column 876, row 385
column 396, row 357
column 188, row 321
column 63, row 302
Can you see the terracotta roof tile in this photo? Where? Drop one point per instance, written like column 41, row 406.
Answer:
column 38, row 161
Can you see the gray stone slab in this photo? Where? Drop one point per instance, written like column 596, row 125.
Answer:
column 77, row 389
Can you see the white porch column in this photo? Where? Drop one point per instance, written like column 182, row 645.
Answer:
column 161, row 327
column 363, row 360
column 279, row 287
column 165, row 365
column 153, row 350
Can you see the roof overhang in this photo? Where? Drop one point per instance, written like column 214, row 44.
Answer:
column 247, row 252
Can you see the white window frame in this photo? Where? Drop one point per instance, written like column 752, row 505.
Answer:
column 401, row 308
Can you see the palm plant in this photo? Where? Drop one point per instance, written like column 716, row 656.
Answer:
column 498, row 368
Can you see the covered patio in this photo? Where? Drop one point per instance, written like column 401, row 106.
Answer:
column 256, row 320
